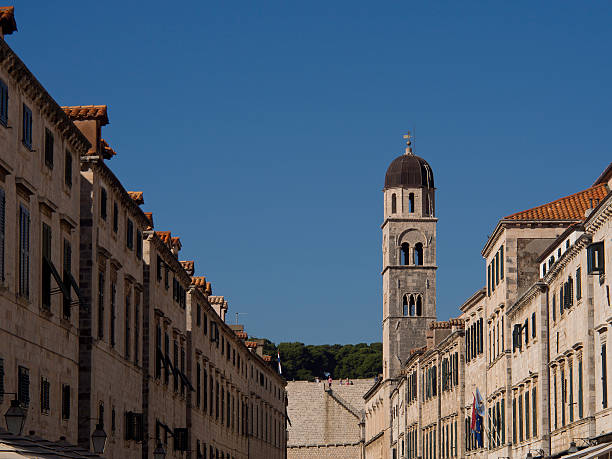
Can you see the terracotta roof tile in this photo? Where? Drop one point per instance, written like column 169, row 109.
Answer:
column 209, row 288
column 149, row 216
column 570, row 207
column 107, row 151
column 198, row 281
column 165, row 236
column 137, row 197
column 7, row 20
column 176, row 241
column 242, row 334
column 188, row 266
column 87, row 112
column 217, row 300
column 267, row 358
column 250, row 344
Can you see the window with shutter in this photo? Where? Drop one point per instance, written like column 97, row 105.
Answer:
column 68, row 169
column 130, row 423
column 554, row 307
column 526, row 331
column 138, row 244
column 23, row 386
column 130, row 234
column 3, row 103
column 65, row 401
column 578, row 284
column 44, row 395
column 2, row 230
column 26, row 134
column 533, row 325
column 67, row 265
column 604, row 377
column 595, row 258
column 501, row 262
column 46, row 269
column 100, row 305
column 570, row 291
column 128, row 324
column 24, row 252
column 561, row 300
column 48, row 148
column 113, row 312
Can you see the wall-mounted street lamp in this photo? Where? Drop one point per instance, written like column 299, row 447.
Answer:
column 98, row 439
column 15, row 416
column 159, row 452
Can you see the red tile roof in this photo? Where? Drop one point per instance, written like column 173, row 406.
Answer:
column 267, row 358
column 7, row 20
column 251, row 344
column 165, row 236
column 188, row 266
column 242, row 334
column 198, row 281
column 176, row 241
column 137, row 197
column 149, row 216
column 87, row 112
column 571, row 207
column 209, row 288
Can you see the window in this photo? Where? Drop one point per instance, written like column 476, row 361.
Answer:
column 580, row 406
column 65, row 401
column 555, row 396
column 100, row 305
column 489, row 280
column 113, row 312
column 527, row 425
column 68, row 169
column 3, row 103
column 571, row 393
column 2, row 230
column 160, row 266
column 514, row 437
column 520, row 417
column 46, row 267
column 27, row 127
column 595, row 258
column 130, row 234
column 496, row 263
column 405, row 306
column 534, row 408
column 501, row 262
column 418, row 254
column 115, row 217
column 604, row 377
column 138, row 244
column 205, row 391
column 48, row 148
column 23, row 386
column 554, row 307
column 24, row 252
column 198, row 382
column 136, row 325
column 411, row 202
column 533, row 325
column 578, row 284
column 127, row 325
column 405, row 253
column 393, row 203
column 419, row 306
column 45, row 387
column 103, row 202
column 199, row 315
column 563, row 396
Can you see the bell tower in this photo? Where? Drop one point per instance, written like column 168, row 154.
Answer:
column 409, row 258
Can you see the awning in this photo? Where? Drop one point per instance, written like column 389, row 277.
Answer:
column 33, row 447
column 598, row 451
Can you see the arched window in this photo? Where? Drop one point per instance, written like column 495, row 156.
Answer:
column 405, row 305
column 419, row 306
column 405, row 254
column 411, row 202
column 418, row 254
column 412, row 306
column 393, row 203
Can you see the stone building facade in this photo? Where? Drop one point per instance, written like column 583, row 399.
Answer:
column 529, row 349
column 103, row 327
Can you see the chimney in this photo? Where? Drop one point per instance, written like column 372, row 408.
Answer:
column 7, row 21
column 90, row 119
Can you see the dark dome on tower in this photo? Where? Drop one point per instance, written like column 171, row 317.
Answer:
column 409, row 171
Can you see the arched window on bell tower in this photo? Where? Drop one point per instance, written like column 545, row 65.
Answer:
column 411, row 203
column 412, row 306
column 419, row 306
column 418, row 254
column 405, row 306
column 405, row 254
column 393, row 203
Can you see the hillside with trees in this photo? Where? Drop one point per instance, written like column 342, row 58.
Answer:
column 306, row 362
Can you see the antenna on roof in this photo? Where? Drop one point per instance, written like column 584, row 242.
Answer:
column 240, row 313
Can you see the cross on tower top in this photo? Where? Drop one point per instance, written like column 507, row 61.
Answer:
column 408, row 136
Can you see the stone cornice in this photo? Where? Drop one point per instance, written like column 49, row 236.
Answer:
column 408, row 220
column 408, row 267
column 601, row 214
column 567, row 257
column 530, row 293
column 31, row 87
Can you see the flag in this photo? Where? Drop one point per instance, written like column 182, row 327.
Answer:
column 479, row 436
column 280, row 371
column 474, row 416
column 480, row 409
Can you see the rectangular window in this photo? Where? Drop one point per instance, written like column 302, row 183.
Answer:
column 45, row 388
column 496, row 268
column 46, row 267
column 527, row 425
column 113, row 312
column 115, row 217
column 561, row 300
column 65, row 401
column 128, row 330
column 103, row 203
column 501, row 262
column 138, row 244
column 534, row 408
column 26, row 137
column 571, row 393
column 563, row 396
column 199, row 315
column 578, row 284
column 24, row 252
column 2, row 231
column 67, row 266
column 205, row 391
column 130, row 234
column 489, row 280
column 554, row 307
column 68, row 169
column 23, row 386
column 520, row 416
column 604, row 377
column 580, row 406
column 3, row 103
column 166, row 354
column 175, row 361
column 100, row 305
column 198, row 383
column 533, row 325
column 136, row 326
column 595, row 258
column 555, row 397
column 48, row 148
column 514, row 437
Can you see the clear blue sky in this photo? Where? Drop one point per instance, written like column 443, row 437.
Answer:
column 260, row 132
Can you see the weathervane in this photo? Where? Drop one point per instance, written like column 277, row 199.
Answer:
column 408, row 136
